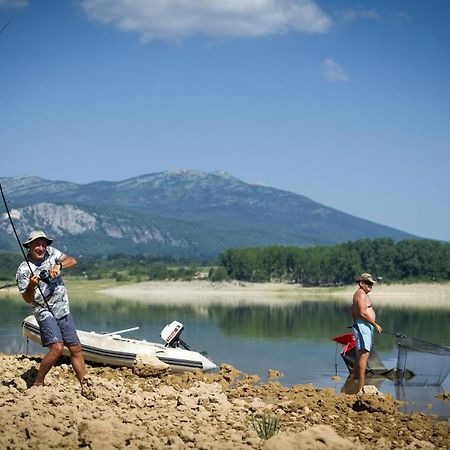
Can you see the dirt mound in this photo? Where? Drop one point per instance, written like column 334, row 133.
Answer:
column 195, row 410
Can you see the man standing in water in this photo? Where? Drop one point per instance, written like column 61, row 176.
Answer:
column 364, row 323
column 38, row 276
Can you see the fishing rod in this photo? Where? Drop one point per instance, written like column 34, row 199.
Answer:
column 21, row 248
column 4, row 27
column 397, row 335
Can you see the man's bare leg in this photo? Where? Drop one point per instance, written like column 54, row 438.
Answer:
column 361, row 364
column 55, row 351
column 77, row 360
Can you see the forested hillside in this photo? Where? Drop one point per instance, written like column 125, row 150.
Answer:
column 409, row 260
column 340, row 264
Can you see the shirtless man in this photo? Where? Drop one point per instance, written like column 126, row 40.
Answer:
column 364, row 323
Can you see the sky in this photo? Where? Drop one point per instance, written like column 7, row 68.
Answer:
column 346, row 102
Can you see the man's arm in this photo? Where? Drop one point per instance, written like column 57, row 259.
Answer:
column 66, row 262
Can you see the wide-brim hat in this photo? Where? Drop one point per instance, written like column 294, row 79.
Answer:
column 366, row 277
column 36, row 234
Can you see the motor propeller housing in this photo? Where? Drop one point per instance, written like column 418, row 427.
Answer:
column 171, row 333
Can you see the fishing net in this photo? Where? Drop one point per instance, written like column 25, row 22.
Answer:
column 374, row 364
column 421, row 363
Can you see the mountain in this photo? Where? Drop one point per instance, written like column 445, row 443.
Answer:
column 177, row 212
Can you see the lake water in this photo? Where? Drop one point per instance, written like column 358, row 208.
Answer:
column 294, row 339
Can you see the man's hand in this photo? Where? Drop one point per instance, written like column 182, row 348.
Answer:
column 34, row 281
column 28, row 295
column 55, row 270
column 378, row 328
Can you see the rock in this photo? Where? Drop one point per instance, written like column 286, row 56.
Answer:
column 420, row 445
column 370, row 399
column 369, row 390
column 271, row 373
column 20, row 384
column 229, row 373
column 187, row 401
column 314, row 438
column 88, row 388
column 150, row 366
column 240, row 403
column 94, row 433
column 445, row 396
column 168, row 392
column 256, row 404
column 132, row 412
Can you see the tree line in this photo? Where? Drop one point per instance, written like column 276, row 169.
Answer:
column 407, row 260
column 119, row 267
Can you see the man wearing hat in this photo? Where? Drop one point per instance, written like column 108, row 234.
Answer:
column 364, row 324
column 40, row 282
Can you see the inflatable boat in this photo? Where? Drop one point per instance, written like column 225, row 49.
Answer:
column 114, row 350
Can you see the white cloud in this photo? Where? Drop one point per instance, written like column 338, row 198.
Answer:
column 13, row 3
column 402, row 16
column 333, row 72
column 177, row 19
column 353, row 14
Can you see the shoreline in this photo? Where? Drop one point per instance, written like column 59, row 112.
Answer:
column 124, row 408
column 198, row 292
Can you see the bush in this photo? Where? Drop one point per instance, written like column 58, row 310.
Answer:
column 267, row 426
column 218, row 274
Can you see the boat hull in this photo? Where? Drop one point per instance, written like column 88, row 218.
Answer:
column 114, row 350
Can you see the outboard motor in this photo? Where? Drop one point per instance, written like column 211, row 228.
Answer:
column 171, row 335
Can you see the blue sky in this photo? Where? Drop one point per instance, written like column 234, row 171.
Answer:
column 346, row 102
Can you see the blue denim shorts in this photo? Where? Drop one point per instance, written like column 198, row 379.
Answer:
column 55, row 330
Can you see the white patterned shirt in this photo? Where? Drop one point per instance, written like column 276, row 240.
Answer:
column 54, row 291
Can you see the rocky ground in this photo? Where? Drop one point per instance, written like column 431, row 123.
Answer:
column 146, row 408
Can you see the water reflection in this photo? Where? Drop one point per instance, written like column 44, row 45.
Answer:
column 411, row 398
column 294, row 339
column 313, row 320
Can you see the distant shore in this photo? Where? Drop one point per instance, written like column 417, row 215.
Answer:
column 203, row 292
column 417, row 295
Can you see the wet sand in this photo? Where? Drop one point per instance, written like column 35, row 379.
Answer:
column 151, row 409
column 417, row 295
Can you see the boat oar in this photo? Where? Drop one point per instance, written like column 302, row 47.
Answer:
column 120, row 331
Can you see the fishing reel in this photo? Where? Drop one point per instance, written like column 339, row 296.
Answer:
column 44, row 275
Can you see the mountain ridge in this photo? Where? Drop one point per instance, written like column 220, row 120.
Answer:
column 210, row 211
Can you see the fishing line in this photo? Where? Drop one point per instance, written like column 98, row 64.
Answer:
column 397, row 335
column 21, row 248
